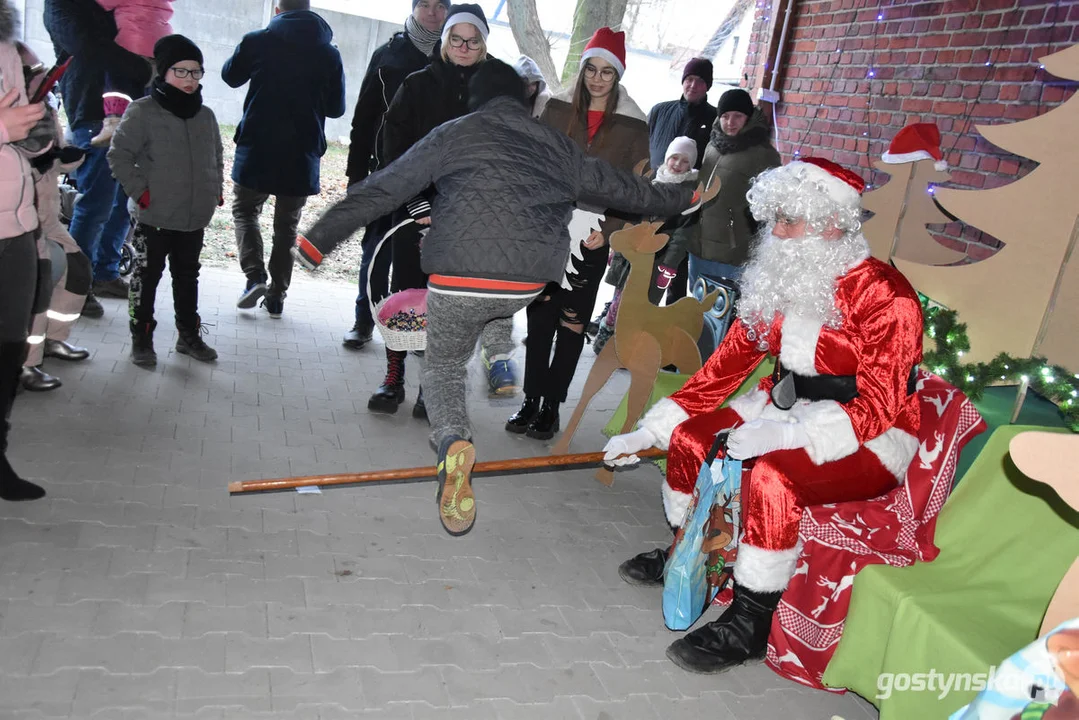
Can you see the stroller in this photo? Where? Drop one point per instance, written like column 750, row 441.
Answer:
column 69, row 195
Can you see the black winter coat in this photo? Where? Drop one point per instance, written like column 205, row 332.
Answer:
column 82, row 29
column 676, row 118
column 425, row 100
column 506, row 188
column 390, row 64
column 297, row 81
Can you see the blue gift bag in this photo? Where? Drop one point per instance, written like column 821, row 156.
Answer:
column 686, row 592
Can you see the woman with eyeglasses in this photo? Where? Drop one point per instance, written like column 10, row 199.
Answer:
column 600, row 116
column 425, row 100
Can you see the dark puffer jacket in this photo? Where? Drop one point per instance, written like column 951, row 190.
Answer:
column 506, row 187
column 389, row 66
column 297, row 81
column 179, row 161
column 676, row 118
column 726, row 227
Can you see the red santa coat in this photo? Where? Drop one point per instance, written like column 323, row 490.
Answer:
column 878, row 342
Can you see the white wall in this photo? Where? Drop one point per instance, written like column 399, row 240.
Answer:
column 218, row 25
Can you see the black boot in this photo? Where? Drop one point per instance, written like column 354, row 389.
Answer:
column 360, row 334
column 12, row 487
column 142, row 344
column 740, row 635
column 419, row 410
column 520, row 420
column 391, row 392
column 545, row 424
column 644, row 569
column 191, row 343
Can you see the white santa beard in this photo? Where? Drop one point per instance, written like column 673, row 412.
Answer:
column 796, row 277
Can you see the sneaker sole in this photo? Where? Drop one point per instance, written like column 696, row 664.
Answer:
column 456, row 502
column 250, row 299
column 506, row 391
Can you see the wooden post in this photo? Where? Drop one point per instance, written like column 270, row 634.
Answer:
column 543, row 462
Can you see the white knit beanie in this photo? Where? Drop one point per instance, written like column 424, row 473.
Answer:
column 682, row 146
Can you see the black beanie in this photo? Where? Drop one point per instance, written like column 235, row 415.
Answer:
column 173, row 49
column 445, row 3
column 493, row 79
column 701, row 68
column 737, row 100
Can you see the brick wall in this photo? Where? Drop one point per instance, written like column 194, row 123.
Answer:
column 850, row 81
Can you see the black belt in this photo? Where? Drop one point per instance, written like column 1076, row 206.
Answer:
column 790, row 387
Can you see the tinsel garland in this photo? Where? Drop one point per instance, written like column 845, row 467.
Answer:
column 1058, row 385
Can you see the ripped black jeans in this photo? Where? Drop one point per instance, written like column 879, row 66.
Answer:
column 558, row 317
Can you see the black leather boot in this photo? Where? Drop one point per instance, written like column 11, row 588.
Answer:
column 419, row 410
column 190, row 342
column 644, row 569
column 142, row 344
column 740, row 635
column 12, row 487
column 391, row 392
column 545, row 424
column 520, row 420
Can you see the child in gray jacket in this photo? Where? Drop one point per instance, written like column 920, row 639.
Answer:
column 167, row 155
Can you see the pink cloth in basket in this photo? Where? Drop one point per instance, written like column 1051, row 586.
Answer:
column 404, row 301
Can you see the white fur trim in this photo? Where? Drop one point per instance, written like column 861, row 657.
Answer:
column 900, row 158
column 468, row 18
column 675, row 504
column 831, row 435
column 661, row 420
column 604, row 54
column 836, row 189
column 896, row 449
column 750, row 405
column 940, row 165
column 763, row 570
column 799, row 345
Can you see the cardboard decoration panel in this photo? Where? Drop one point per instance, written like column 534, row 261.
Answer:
column 1025, row 299
column 902, row 208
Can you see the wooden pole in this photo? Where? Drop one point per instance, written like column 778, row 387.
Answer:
column 543, row 462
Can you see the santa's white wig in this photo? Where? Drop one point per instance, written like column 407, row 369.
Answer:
column 803, row 190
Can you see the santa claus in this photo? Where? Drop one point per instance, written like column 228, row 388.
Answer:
column 836, row 421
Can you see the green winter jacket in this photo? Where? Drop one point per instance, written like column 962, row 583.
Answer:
column 179, row 161
column 725, row 228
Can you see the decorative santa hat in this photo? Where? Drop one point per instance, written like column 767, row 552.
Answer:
column 920, row 141
column 841, row 185
column 684, row 146
column 607, row 45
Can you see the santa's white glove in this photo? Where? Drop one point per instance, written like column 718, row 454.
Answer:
column 760, row 437
column 620, row 449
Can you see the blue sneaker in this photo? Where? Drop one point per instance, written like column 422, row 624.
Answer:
column 274, row 304
column 250, row 296
column 501, row 375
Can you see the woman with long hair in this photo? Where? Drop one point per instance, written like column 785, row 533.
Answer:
column 599, row 115
column 425, row 100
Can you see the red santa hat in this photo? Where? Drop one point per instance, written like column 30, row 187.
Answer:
column 841, row 185
column 607, row 45
column 920, row 141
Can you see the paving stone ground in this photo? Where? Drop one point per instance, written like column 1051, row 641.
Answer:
column 139, row 589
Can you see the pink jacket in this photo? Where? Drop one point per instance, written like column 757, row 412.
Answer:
column 140, row 23
column 17, row 213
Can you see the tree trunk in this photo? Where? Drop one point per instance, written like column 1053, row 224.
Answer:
column 531, row 40
column 589, row 16
column 729, row 24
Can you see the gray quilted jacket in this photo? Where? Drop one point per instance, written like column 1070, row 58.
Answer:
column 506, row 188
column 179, row 161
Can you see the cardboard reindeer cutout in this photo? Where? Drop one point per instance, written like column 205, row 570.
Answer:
column 646, row 337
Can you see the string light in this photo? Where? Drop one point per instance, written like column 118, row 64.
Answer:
column 1058, row 385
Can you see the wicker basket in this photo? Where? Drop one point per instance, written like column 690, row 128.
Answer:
column 400, row 340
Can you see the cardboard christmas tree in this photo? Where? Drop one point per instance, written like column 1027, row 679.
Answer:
column 1024, row 300
column 904, row 205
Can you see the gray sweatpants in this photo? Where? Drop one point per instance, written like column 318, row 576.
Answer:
column 454, row 324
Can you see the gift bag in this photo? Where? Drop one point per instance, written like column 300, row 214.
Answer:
column 686, row 590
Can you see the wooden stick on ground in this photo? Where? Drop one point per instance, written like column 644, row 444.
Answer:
column 543, row 462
